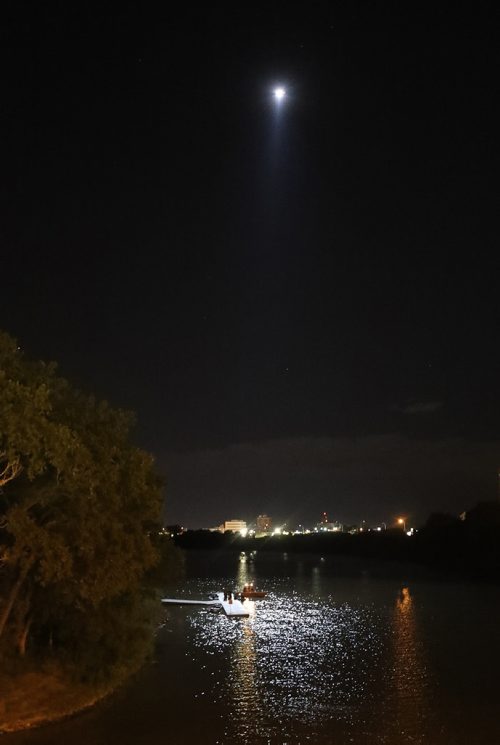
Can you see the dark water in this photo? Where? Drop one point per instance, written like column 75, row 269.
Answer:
column 337, row 653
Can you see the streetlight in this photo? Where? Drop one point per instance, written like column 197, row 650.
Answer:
column 402, row 521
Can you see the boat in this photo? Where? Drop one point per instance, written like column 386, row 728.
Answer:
column 250, row 592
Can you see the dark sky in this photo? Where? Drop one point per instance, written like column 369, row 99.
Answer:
column 301, row 305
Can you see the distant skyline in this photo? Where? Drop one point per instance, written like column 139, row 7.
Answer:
column 298, row 298
column 373, row 478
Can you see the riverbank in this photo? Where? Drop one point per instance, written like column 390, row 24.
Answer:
column 468, row 549
column 30, row 699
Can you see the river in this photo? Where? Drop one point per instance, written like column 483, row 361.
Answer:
column 341, row 652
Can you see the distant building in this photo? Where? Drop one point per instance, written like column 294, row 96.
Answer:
column 235, row 525
column 329, row 527
column 264, row 524
column 326, row 526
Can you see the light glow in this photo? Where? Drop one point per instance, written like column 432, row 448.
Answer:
column 279, row 93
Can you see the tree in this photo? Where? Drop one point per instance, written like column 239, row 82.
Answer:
column 79, row 504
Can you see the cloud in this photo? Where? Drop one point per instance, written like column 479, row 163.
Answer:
column 420, row 407
column 373, row 478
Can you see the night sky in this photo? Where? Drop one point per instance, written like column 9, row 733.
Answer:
column 300, row 302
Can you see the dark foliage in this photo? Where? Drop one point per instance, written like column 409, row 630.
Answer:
column 79, row 520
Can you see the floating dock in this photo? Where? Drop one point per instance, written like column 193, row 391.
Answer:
column 185, row 601
column 235, row 609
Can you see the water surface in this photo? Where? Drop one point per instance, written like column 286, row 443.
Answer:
column 338, row 652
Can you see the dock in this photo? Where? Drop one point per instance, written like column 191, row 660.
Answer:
column 185, row 601
column 235, row 609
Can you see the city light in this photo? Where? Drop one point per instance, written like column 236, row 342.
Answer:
column 263, row 526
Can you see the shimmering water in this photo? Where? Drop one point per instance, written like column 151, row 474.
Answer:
column 336, row 653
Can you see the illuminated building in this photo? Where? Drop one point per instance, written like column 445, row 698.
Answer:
column 326, row 526
column 264, row 524
column 235, row 525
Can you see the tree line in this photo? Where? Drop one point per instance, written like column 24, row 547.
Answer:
column 466, row 545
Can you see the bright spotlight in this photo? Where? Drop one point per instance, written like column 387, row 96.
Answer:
column 279, row 94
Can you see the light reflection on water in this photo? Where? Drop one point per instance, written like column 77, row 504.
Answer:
column 296, row 661
column 409, row 665
column 353, row 658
